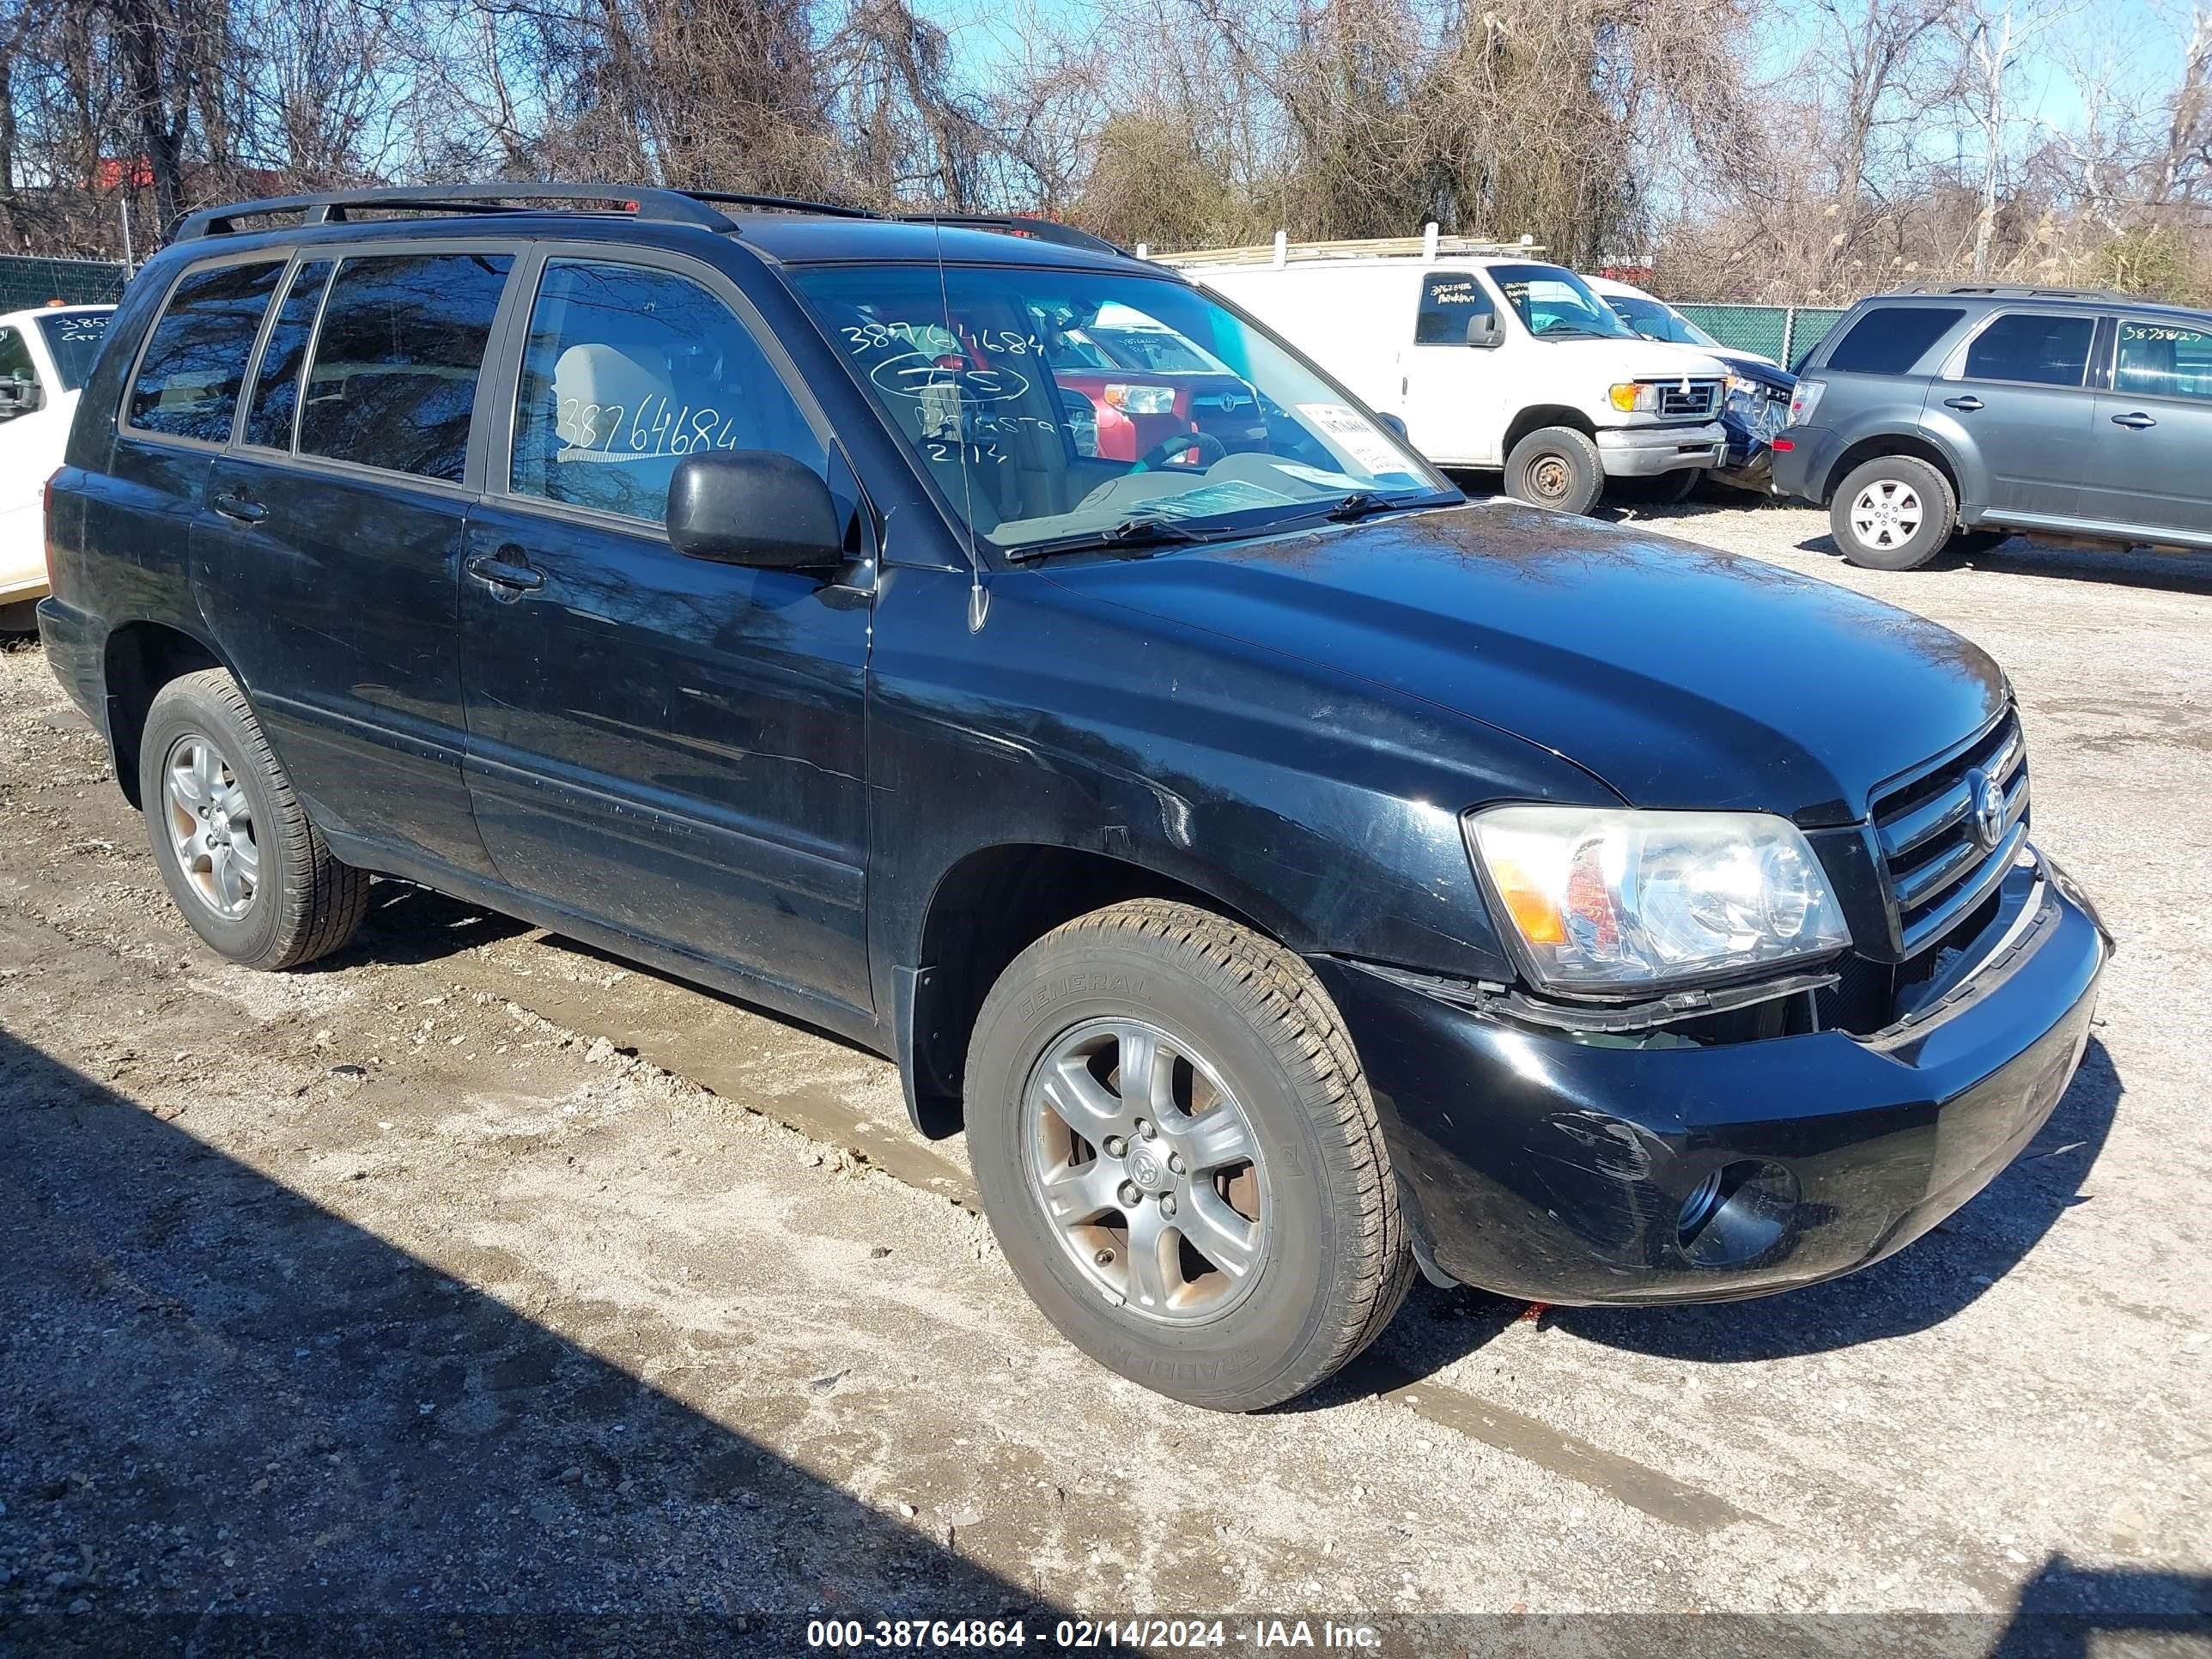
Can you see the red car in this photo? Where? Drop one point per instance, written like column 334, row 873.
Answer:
column 1148, row 383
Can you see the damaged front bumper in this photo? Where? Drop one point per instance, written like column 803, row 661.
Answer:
column 1575, row 1167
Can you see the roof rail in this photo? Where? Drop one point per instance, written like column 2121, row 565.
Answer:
column 2022, row 291
column 1282, row 250
column 782, row 203
column 322, row 207
column 1015, row 224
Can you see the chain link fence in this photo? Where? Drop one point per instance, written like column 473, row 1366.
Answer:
column 26, row 280
column 1785, row 333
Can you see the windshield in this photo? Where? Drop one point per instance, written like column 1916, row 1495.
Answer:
column 1655, row 321
column 73, row 339
column 1552, row 302
column 1057, row 407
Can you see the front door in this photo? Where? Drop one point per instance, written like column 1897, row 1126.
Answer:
column 328, row 562
column 2022, row 395
column 2153, row 432
column 670, row 746
column 1453, row 393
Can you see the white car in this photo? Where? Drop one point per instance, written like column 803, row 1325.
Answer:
column 45, row 357
column 1490, row 359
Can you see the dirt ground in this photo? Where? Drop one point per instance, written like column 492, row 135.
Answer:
column 474, row 1289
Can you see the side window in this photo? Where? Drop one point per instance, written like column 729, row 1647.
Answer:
column 394, row 375
column 277, row 381
column 2034, row 347
column 188, row 381
column 15, row 362
column 628, row 370
column 1891, row 339
column 1450, row 299
column 2164, row 359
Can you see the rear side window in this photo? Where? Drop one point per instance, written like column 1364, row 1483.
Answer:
column 1450, row 300
column 277, row 381
column 2164, row 359
column 628, row 370
column 2033, row 347
column 394, row 376
column 1890, row 339
column 189, row 378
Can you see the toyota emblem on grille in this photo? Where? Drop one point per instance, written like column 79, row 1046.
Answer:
column 1985, row 809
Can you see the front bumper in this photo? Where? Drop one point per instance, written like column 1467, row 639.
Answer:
column 1557, row 1171
column 1645, row 451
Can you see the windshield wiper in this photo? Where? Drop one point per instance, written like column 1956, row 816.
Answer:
column 1140, row 530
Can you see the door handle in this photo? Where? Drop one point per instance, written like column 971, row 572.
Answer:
column 1969, row 403
column 2138, row 420
column 508, row 573
column 234, row 504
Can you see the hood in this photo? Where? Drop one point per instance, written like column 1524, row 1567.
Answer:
column 1638, row 358
column 1679, row 676
column 1752, row 367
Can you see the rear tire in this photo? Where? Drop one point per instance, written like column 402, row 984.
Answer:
column 1893, row 512
column 235, row 850
column 1558, row 467
column 1248, row 1157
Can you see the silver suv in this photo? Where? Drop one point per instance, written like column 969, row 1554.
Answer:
column 1956, row 417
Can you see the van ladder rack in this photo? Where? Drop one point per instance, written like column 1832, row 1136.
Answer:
column 1282, row 250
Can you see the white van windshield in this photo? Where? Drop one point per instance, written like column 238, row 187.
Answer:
column 1554, row 303
column 1057, row 407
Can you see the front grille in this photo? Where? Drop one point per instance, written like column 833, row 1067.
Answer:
column 1941, row 856
column 1688, row 400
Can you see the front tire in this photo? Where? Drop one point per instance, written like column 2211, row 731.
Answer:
column 1893, row 512
column 1226, row 1227
column 235, row 848
column 1558, row 467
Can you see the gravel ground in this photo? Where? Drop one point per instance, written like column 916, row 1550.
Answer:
column 474, row 1289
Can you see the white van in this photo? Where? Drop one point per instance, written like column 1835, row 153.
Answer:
column 45, row 357
column 1492, row 359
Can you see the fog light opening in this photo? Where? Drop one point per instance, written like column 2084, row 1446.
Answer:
column 1738, row 1213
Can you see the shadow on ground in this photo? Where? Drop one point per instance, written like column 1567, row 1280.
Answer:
column 2174, row 573
column 236, row 1421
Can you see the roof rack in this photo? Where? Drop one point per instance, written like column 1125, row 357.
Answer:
column 1015, row 224
column 1429, row 246
column 2019, row 291
column 322, row 207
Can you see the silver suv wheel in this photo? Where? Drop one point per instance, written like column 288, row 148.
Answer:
column 211, row 826
column 1148, row 1169
column 1887, row 514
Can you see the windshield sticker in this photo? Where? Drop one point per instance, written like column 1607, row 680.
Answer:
column 1232, row 496
column 1348, row 429
column 1316, row 475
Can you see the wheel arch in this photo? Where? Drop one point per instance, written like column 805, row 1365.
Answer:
column 1539, row 415
column 988, row 906
column 1916, row 444
column 138, row 657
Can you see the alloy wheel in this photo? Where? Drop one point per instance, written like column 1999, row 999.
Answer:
column 1886, row 513
column 1148, row 1169
column 211, row 826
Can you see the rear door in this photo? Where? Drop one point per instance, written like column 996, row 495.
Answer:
column 2018, row 388
column 667, row 745
column 328, row 562
column 2148, row 446
column 1453, row 392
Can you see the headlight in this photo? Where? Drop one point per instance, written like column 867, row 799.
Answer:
column 1610, row 900
column 1634, row 397
column 1142, row 399
column 1742, row 386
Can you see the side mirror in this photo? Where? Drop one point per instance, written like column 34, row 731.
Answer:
column 1482, row 330
column 753, row 506
column 1397, row 425
column 19, row 395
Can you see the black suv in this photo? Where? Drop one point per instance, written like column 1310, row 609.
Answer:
column 1956, row 416
column 1285, row 871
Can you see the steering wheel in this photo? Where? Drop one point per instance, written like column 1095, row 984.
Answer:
column 1157, row 455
